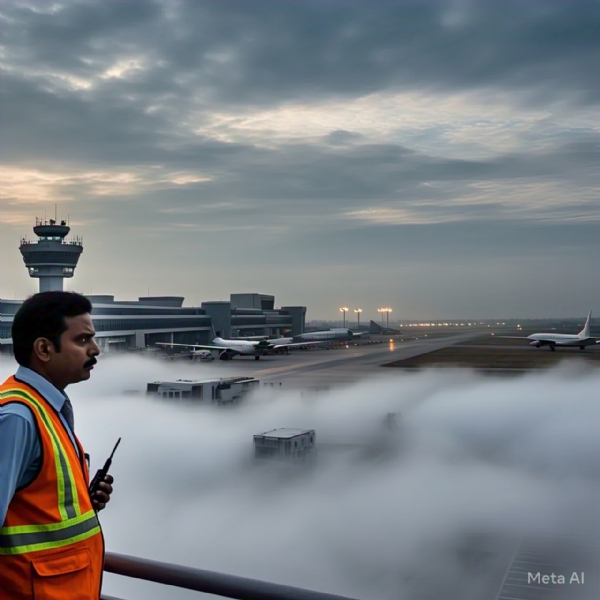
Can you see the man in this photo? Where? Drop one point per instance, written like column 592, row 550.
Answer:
column 51, row 544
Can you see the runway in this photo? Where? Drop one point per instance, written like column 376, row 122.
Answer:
column 322, row 368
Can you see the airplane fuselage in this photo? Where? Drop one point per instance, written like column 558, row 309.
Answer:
column 251, row 348
column 227, row 349
column 560, row 339
column 239, row 345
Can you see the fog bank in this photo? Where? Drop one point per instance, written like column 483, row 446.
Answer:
column 475, row 459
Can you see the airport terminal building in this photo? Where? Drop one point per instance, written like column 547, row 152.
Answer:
column 138, row 324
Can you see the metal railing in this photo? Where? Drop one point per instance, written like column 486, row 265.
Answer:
column 209, row 582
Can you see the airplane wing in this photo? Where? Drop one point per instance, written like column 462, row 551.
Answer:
column 199, row 346
column 292, row 344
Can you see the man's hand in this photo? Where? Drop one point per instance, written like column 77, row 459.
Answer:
column 101, row 498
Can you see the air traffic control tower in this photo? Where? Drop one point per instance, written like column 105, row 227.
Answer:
column 51, row 258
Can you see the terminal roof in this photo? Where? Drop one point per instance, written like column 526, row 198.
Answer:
column 201, row 381
column 285, row 432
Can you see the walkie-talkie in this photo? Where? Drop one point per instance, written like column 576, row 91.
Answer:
column 101, row 473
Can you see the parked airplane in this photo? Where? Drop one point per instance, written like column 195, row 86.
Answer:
column 227, row 349
column 581, row 340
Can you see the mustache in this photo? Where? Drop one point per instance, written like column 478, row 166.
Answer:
column 90, row 363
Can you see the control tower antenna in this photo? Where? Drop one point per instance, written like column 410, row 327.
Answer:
column 51, row 258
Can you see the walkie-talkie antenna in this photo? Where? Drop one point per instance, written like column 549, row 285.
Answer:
column 101, row 473
column 113, row 452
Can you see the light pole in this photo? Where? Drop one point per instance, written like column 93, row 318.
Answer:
column 344, row 310
column 358, row 311
column 387, row 312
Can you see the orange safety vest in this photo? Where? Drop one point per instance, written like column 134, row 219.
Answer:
column 51, row 544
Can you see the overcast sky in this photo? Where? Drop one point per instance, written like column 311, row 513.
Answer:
column 440, row 158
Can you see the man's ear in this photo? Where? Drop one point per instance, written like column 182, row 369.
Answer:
column 43, row 349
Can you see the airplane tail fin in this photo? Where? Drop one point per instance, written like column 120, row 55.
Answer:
column 585, row 332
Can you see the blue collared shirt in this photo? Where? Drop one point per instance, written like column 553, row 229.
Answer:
column 20, row 450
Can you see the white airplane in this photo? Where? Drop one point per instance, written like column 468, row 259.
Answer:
column 581, row 340
column 227, row 349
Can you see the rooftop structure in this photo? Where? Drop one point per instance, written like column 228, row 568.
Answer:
column 52, row 257
column 284, row 443
column 220, row 391
column 261, row 301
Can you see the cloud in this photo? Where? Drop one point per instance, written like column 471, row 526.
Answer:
column 265, row 52
column 476, row 464
column 306, row 117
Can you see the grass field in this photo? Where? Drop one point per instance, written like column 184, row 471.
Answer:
column 494, row 354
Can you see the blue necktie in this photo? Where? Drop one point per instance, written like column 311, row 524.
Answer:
column 67, row 412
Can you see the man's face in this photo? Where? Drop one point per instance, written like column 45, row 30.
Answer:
column 78, row 352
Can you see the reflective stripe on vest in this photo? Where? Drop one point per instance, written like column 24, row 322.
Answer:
column 28, row 538
column 74, row 526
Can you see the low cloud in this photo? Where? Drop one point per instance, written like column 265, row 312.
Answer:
column 475, row 464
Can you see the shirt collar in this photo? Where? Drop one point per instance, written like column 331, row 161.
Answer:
column 54, row 397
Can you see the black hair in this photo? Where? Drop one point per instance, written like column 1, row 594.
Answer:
column 43, row 315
